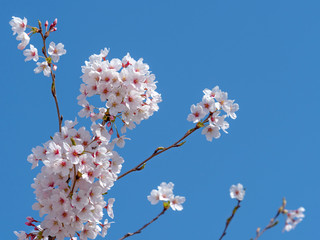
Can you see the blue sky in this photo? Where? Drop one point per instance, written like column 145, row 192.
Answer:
column 265, row 54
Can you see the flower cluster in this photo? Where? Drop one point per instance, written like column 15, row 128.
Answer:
column 165, row 194
column 126, row 87
column 78, row 169
column 209, row 110
column 237, row 191
column 19, row 27
column 293, row 218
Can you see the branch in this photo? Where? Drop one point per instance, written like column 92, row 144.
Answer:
column 229, row 219
column 53, row 76
column 165, row 208
column 160, row 150
column 273, row 221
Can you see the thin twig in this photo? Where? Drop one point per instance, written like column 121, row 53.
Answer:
column 146, row 225
column 160, row 150
column 74, row 181
column 229, row 220
column 272, row 222
column 53, row 76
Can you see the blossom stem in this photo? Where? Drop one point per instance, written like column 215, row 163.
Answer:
column 229, row 220
column 53, row 76
column 146, row 225
column 160, row 150
column 273, row 222
column 74, row 181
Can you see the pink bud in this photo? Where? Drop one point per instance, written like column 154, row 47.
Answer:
column 111, row 118
column 30, row 219
column 111, row 131
column 53, row 29
column 46, row 24
column 108, row 124
column 54, row 67
column 55, row 22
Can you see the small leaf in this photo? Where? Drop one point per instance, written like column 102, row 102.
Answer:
column 34, row 30
column 200, row 124
column 142, row 167
column 73, row 142
column 49, row 60
column 180, row 144
column 166, row 205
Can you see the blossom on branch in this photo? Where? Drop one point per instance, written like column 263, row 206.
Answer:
column 18, row 25
column 165, row 194
column 31, row 54
column 55, row 51
column 207, row 113
column 293, row 218
column 77, row 170
column 43, row 67
column 126, row 88
column 237, row 191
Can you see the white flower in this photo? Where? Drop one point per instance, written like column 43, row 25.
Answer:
column 213, row 103
column 166, row 191
column 196, row 114
column 24, row 38
column 110, row 207
column 293, row 218
column 120, row 141
column 165, row 194
column 176, row 203
column 154, row 197
column 237, row 191
column 127, row 89
column 31, row 54
column 105, row 226
column 56, row 51
column 18, row 25
column 21, row 235
column 43, row 67
column 208, row 104
column 211, row 93
column 231, row 108
column 211, row 131
column 104, row 53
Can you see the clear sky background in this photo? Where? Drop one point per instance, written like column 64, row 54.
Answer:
column 265, row 54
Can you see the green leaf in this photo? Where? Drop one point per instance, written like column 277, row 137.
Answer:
column 166, row 205
column 200, row 124
column 142, row 167
column 73, row 142
column 180, row 144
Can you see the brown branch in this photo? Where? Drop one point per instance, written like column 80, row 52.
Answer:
column 229, row 220
column 160, row 150
column 146, row 225
column 273, row 221
column 53, row 76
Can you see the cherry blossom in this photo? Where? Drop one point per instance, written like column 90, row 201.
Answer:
column 69, row 189
column 18, row 25
column 237, row 191
column 126, row 88
column 208, row 111
column 164, row 193
column 55, row 51
column 31, row 54
column 293, row 218
column 43, row 67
